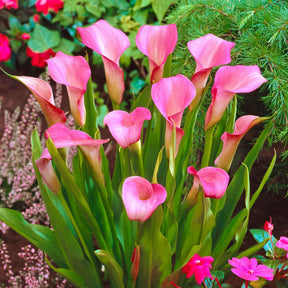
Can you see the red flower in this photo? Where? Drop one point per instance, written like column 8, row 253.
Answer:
column 38, row 59
column 25, row 36
column 268, row 226
column 36, row 18
column 199, row 266
column 9, row 4
column 5, row 51
column 46, row 5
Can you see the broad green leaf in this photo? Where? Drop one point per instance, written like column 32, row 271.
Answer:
column 155, row 252
column 63, row 18
column 70, row 275
column 14, row 24
column 260, row 236
column 42, row 39
column 144, row 99
column 66, row 46
column 160, row 7
column 114, row 269
column 40, row 236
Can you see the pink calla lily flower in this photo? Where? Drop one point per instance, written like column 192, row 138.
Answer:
column 63, row 137
column 171, row 96
column 231, row 141
column 141, row 198
column 74, row 72
column 126, row 128
column 44, row 95
column 230, row 80
column 110, row 43
column 214, row 181
column 208, row 51
column 156, row 42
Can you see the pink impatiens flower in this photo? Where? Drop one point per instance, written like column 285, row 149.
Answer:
column 171, row 96
column 214, row 181
column 126, row 128
column 74, row 72
column 110, row 43
column 9, row 4
column 208, row 51
column 63, row 137
column 5, row 51
column 249, row 270
column 199, row 267
column 46, row 5
column 231, row 141
column 141, row 198
column 283, row 243
column 230, row 80
column 156, row 42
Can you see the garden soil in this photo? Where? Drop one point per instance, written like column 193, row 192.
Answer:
column 13, row 94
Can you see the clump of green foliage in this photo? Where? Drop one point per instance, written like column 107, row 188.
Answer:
column 259, row 30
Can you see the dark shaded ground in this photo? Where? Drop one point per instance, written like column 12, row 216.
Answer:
column 13, row 94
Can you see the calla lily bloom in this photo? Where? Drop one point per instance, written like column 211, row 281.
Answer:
column 156, row 42
column 214, row 181
column 110, row 43
column 126, row 128
column 44, row 95
column 230, row 80
column 63, row 137
column 171, row 96
column 231, row 141
column 74, row 72
column 208, row 51
column 141, row 198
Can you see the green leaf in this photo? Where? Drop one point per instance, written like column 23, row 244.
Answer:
column 66, row 46
column 70, row 275
column 114, row 269
column 93, row 9
column 14, row 24
column 260, row 236
column 144, row 99
column 160, row 7
column 63, row 18
column 42, row 39
column 40, row 236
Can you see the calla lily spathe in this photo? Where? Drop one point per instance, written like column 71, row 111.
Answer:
column 230, row 80
column 156, row 42
column 208, row 51
column 74, row 72
column 231, row 141
column 44, row 95
column 214, row 181
column 63, row 137
column 126, row 128
column 110, row 43
column 141, row 198
column 171, row 96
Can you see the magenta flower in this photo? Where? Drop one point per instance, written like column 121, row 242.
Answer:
column 126, row 128
column 249, row 270
column 44, row 95
column 171, row 96
column 283, row 243
column 230, row 80
column 74, row 72
column 208, row 51
column 268, row 227
column 156, row 42
column 199, row 267
column 46, row 5
column 214, row 181
column 9, row 4
column 63, row 137
column 110, row 43
column 141, row 198
column 5, row 51
column 231, row 141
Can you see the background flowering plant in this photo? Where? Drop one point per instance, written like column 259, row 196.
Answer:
column 146, row 222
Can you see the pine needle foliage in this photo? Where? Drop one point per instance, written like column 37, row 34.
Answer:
column 259, row 28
